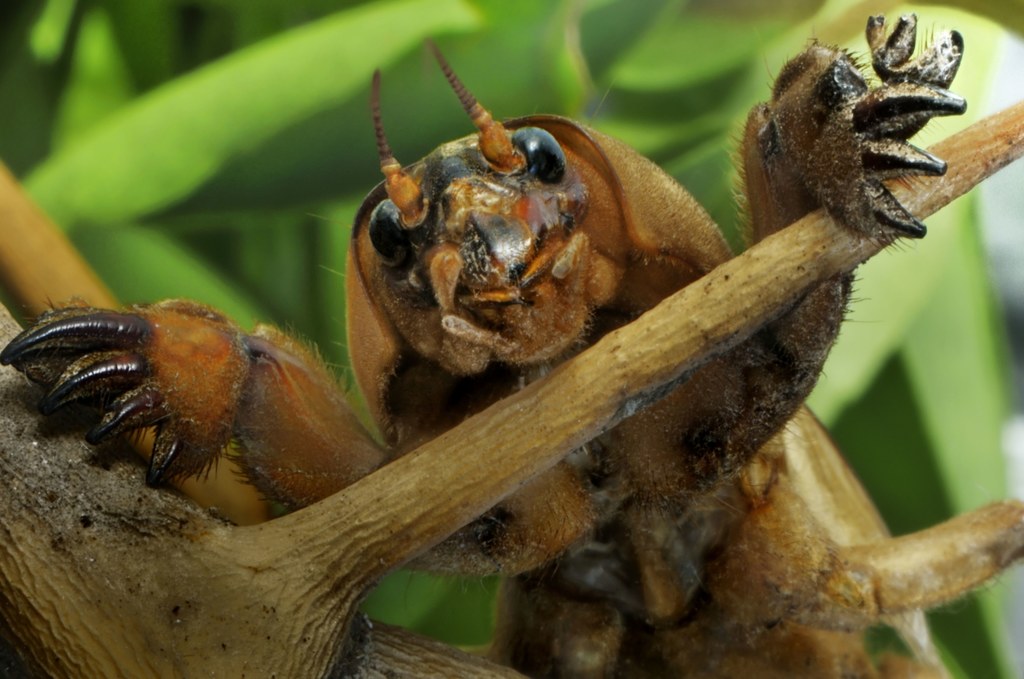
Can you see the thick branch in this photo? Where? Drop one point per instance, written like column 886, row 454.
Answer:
column 101, row 576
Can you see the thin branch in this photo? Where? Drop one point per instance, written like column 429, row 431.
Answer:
column 415, row 502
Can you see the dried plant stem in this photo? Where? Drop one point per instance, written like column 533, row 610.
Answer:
column 29, row 237
column 418, row 500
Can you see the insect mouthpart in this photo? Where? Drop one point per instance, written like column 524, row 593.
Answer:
column 496, row 250
column 507, row 251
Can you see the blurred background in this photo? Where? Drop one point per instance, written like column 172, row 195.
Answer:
column 217, row 150
column 1001, row 204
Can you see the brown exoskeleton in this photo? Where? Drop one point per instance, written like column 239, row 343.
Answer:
column 714, row 531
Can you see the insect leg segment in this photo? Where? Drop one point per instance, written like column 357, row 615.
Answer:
column 203, row 384
column 937, row 565
column 815, row 144
column 177, row 366
column 295, row 435
column 790, row 566
column 891, row 58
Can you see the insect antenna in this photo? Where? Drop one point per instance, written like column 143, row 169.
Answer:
column 402, row 189
column 495, row 144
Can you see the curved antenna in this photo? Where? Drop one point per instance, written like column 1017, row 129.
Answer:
column 494, row 140
column 402, row 189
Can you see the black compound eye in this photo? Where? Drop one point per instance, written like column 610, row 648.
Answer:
column 545, row 158
column 389, row 237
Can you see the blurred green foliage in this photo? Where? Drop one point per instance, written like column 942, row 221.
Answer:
column 217, row 149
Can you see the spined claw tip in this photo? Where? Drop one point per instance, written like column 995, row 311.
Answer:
column 91, row 379
column 160, row 462
column 99, row 330
column 138, row 408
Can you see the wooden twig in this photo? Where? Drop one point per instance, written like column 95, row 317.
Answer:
column 421, row 498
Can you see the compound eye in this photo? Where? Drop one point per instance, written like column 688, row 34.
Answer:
column 545, row 158
column 389, row 237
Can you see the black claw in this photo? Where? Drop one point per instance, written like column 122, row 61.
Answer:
column 891, row 58
column 889, row 212
column 911, row 227
column 897, row 49
column 937, row 65
column 889, row 111
column 86, row 332
column 956, row 40
column 886, row 158
column 876, row 31
column 139, row 408
column 91, row 376
column 164, row 453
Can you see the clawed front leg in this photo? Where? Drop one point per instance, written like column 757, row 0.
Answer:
column 206, row 387
column 174, row 367
column 827, row 139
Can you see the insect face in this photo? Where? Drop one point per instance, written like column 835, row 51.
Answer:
column 501, row 232
column 477, row 250
column 493, row 247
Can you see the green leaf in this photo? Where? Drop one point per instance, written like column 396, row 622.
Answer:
column 145, row 33
column 707, row 45
column 1006, row 13
column 516, row 63
column 99, row 82
column 30, row 82
column 48, row 35
column 957, row 373
column 609, row 28
column 455, row 610
column 142, row 265
column 185, row 131
column 958, row 370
